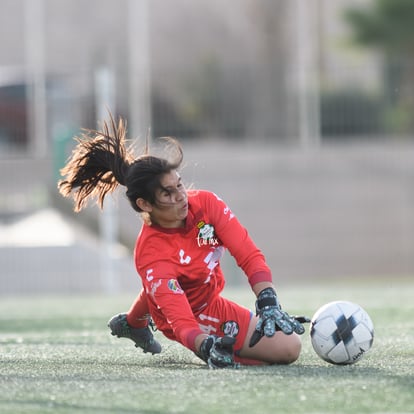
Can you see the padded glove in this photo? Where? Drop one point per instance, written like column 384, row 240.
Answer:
column 218, row 352
column 272, row 318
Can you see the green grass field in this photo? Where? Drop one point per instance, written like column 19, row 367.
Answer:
column 57, row 356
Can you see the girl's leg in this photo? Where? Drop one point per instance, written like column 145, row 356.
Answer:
column 279, row 349
column 138, row 315
column 134, row 325
column 224, row 317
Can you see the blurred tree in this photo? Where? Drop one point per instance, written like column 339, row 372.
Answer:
column 388, row 25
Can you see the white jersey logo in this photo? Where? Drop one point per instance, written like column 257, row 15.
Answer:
column 184, row 260
column 149, row 276
column 213, row 258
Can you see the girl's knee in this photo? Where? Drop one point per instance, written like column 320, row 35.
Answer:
column 280, row 349
column 288, row 349
column 293, row 350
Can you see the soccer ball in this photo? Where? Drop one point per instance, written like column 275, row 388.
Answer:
column 341, row 332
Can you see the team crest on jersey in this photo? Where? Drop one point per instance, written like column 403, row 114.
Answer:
column 206, row 235
column 230, row 328
column 174, row 286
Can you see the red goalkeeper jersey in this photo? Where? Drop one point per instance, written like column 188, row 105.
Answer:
column 180, row 267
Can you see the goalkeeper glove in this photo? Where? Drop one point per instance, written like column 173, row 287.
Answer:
column 272, row 318
column 218, row 352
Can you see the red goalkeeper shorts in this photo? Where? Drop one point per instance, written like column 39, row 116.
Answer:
column 225, row 317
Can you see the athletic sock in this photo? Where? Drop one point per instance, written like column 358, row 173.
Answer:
column 138, row 315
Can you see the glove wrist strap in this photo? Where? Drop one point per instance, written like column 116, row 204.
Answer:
column 205, row 348
column 266, row 297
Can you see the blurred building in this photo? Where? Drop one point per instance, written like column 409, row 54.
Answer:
column 240, row 69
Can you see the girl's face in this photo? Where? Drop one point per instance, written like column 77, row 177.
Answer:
column 171, row 206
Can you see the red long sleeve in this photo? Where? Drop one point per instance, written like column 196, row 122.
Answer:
column 180, row 268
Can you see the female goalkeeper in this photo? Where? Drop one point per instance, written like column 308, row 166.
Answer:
column 177, row 255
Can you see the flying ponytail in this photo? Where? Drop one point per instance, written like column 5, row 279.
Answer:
column 101, row 161
column 98, row 164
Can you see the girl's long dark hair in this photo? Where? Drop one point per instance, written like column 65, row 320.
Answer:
column 101, row 161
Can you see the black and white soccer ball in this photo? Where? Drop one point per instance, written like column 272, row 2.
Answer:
column 341, row 332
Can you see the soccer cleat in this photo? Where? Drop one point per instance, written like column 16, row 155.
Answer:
column 142, row 337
